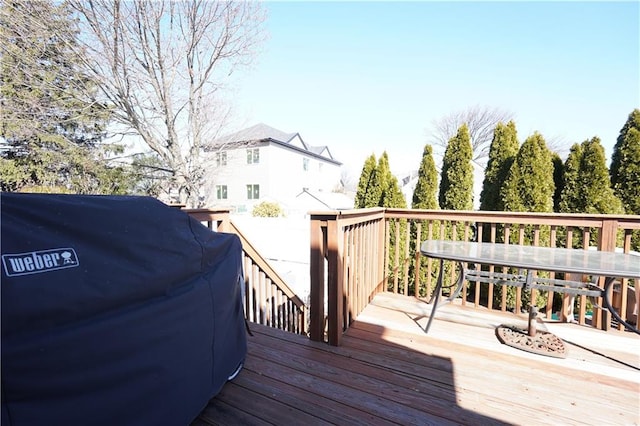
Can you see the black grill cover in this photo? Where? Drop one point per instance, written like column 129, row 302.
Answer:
column 115, row 310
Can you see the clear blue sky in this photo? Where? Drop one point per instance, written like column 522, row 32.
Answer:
column 364, row 77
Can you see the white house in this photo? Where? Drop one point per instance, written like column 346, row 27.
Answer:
column 265, row 164
column 309, row 200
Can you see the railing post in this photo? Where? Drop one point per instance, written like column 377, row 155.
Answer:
column 606, row 242
column 224, row 223
column 608, row 235
column 385, row 250
column 318, row 240
column 381, row 255
column 335, row 284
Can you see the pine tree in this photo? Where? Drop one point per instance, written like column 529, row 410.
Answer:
column 456, row 183
column 503, row 150
column 625, row 164
column 365, row 196
column 49, row 116
column 424, row 194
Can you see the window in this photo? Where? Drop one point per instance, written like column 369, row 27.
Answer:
column 253, row 156
column 253, row 192
column 221, row 192
column 221, row 158
column 305, row 164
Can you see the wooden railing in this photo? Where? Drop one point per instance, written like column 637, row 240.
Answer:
column 371, row 250
column 352, row 243
column 268, row 299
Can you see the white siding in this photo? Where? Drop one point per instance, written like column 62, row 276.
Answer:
column 279, row 173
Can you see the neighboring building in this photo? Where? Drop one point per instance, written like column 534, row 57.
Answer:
column 408, row 185
column 308, row 201
column 265, row 164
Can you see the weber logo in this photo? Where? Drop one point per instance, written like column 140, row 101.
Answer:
column 39, row 261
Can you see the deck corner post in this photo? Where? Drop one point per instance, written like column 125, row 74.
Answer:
column 318, row 240
column 335, row 285
column 224, row 223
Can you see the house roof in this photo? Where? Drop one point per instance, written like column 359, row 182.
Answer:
column 330, row 200
column 257, row 133
column 264, row 133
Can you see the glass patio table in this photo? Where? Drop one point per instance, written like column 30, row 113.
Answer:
column 531, row 259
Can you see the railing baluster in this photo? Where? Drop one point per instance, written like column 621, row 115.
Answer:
column 552, row 275
column 418, row 259
column 429, row 261
column 396, row 257
column 406, row 259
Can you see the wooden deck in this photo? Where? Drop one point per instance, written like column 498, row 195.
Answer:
column 389, row 372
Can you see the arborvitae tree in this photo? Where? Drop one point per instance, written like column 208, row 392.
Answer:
column 625, row 164
column 377, row 186
column 625, row 169
column 50, row 120
column 424, row 194
column 586, row 187
column 365, row 196
column 529, row 186
column 598, row 195
column 571, row 198
column 392, row 195
column 383, row 180
column 503, row 150
column 424, row 197
column 456, row 183
column 558, row 176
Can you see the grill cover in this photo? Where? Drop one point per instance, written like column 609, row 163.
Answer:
column 115, row 310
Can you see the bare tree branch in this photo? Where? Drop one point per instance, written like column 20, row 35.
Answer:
column 161, row 64
column 481, row 121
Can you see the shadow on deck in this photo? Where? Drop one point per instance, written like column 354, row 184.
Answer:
column 387, row 371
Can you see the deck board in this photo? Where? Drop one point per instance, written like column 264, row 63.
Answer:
column 388, row 371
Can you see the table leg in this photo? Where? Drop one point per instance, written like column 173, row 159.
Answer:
column 459, row 284
column 607, row 304
column 533, row 313
column 436, row 297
